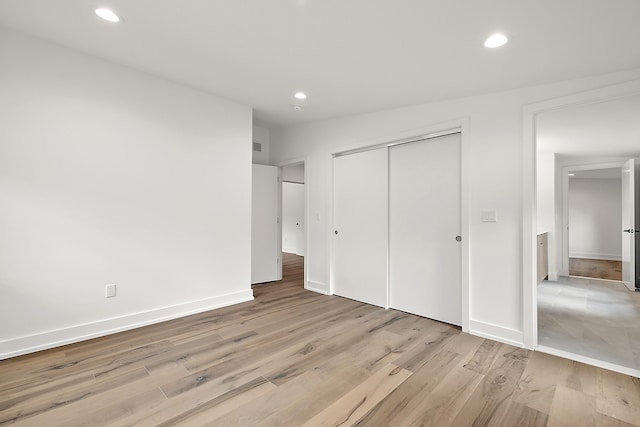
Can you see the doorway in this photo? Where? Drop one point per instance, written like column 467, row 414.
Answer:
column 582, row 319
column 294, row 241
column 293, row 222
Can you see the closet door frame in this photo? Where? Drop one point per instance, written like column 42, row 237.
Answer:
column 455, row 126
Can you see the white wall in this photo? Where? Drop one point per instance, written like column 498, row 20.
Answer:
column 563, row 165
column 595, row 212
column 293, row 173
column 492, row 144
column 108, row 175
column 547, row 213
column 262, row 136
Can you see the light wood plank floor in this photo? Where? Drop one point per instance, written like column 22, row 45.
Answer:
column 297, row 358
column 596, row 268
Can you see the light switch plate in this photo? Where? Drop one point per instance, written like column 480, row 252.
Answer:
column 110, row 291
column 489, row 215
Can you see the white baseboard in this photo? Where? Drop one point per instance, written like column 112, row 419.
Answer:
column 590, row 255
column 289, row 250
column 496, row 333
column 55, row 338
column 553, row 276
column 321, row 288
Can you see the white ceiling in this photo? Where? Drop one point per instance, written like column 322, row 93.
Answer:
column 350, row 56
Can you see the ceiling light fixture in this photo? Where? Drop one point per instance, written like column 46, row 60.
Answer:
column 496, row 40
column 300, row 95
column 571, row 174
column 107, row 15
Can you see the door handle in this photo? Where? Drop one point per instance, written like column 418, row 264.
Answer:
column 335, row 232
column 631, row 230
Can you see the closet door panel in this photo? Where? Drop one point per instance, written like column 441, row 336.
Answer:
column 361, row 226
column 424, row 220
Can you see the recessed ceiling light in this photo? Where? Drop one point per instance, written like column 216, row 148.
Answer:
column 301, row 95
column 571, row 174
column 496, row 40
column 107, row 15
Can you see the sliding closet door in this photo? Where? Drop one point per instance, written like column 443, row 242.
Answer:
column 424, row 220
column 360, row 226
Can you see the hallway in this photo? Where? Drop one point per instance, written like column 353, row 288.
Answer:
column 594, row 318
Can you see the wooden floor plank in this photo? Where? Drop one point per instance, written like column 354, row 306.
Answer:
column 618, row 396
column 410, row 394
column 523, row 416
column 490, row 400
column 361, row 399
column 597, row 268
column 572, row 408
column 239, row 397
column 443, row 404
column 537, row 386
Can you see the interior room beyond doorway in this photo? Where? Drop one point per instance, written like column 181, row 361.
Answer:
column 594, row 223
column 580, row 151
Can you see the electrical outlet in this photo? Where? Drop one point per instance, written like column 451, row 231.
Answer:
column 111, row 290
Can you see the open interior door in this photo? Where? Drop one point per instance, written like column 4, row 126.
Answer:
column 630, row 213
column 266, row 227
column 293, row 239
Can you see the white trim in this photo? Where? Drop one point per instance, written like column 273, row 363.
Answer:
column 529, row 194
column 55, row 338
column 529, row 231
column 598, row 279
column 409, row 140
column 293, row 162
column 589, row 361
column 387, row 301
column 452, row 126
column 465, row 162
column 332, row 228
column 321, row 288
column 553, row 276
column 591, row 255
column 496, row 333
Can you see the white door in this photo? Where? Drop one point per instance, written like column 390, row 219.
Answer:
column 266, row 231
column 360, row 226
column 424, row 221
column 293, row 218
column 629, row 223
